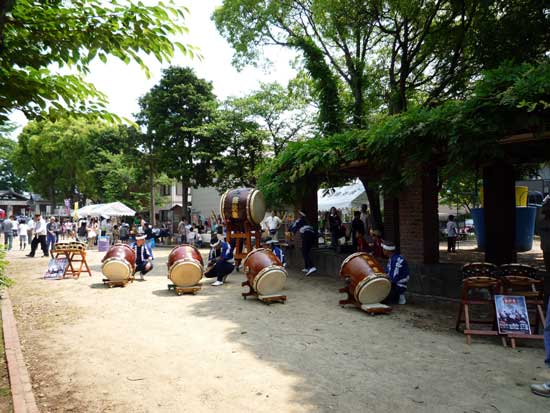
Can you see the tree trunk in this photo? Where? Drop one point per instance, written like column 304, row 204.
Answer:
column 373, row 196
column 152, row 194
column 184, row 201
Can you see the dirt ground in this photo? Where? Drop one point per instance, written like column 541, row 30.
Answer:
column 144, row 349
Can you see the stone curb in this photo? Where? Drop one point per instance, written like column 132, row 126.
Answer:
column 20, row 382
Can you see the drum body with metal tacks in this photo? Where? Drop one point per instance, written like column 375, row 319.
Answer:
column 264, row 271
column 119, row 263
column 243, row 205
column 367, row 282
column 185, row 266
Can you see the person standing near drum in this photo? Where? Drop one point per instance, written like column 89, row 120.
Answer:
column 273, row 223
column 220, row 261
column 144, row 255
column 398, row 272
column 335, row 226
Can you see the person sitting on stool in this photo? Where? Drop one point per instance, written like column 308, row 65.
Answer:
column 220, row 260
column 398, row 272
column 144, row 255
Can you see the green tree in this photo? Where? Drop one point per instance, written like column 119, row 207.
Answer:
column 173, row 113
column 55, row 158
column 8, row 177
column 244, row 146
column 37, row 36
column 284, row 113
column 334, row 38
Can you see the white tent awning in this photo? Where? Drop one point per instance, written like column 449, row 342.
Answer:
column 112, row 209
column 343, row 197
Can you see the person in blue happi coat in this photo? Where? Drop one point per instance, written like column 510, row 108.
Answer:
column 220, row 260
column 398, row 272
column 144, row 255
column 277, row 250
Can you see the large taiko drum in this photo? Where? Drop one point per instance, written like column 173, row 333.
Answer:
column 185, row 266
column 243, row 205
column 367, row 281
column 119, row 263
column 264, row 271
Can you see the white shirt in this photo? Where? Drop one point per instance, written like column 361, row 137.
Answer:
column 23, row 229
column 272, row 222
column 452, row 230
column 40, row 227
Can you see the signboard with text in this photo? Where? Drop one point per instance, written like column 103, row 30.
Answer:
column 512, row 315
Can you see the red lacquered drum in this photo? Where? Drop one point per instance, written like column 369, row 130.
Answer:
column 368, row 282
column 264, row 271
column 119, row 263
column 243, row 205
column 185, row 266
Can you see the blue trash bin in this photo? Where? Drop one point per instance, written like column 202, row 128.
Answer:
column 525, row 227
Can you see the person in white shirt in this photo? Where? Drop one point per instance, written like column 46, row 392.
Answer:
column 39, row 230
column 273, row 223
column 452, row 233
column 23, row 229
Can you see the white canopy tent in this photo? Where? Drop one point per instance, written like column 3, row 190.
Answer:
column 349, row 196
column 112, row 209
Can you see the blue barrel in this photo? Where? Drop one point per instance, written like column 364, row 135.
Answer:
column 525, row 227
column 479, row 226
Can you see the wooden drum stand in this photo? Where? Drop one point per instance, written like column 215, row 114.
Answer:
column 184, row 290
column 371, row 309
column 242, row 233
column 266, row 299
column 112, row 284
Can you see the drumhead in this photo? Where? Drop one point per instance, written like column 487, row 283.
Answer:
column 222, row 204
column 270, row 280
column 185, row 273
column 372, row 290
column 256, row 207
column 116, row 270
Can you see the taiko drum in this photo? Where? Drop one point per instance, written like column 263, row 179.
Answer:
column 185, row 266
column 264, row 271
column 243, row 205
column 119, row 263
column 367, row 281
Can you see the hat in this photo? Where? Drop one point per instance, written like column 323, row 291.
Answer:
column 272, row 242
column 388, row 245
column 302, row 213
column 140, row 235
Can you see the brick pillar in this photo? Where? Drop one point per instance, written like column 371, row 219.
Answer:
column 418, row 220
column 499, row 202
column 391, row 220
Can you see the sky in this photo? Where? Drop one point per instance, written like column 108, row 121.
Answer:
column 124, row 84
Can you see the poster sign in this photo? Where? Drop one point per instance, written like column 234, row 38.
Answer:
column 512, row 315
column 56, row 269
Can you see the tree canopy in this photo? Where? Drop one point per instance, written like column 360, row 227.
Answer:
column 454, row 136
column 39, row 37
